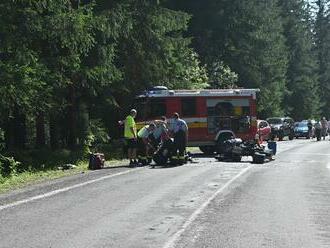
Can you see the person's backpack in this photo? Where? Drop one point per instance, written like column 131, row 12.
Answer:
column 96, row 161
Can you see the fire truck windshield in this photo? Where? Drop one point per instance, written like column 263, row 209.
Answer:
column 228, row 114
column 150, row 108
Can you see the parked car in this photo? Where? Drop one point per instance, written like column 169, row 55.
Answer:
column 281, row 127
column 301, row 130
column 264, row 130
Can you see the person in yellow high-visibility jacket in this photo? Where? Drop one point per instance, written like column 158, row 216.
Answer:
column 131, row 136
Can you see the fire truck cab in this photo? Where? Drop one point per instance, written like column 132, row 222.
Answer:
column 211, row 115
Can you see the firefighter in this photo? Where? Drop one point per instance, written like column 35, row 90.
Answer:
column 130, row 136
column 145, row 144
column 180, row 133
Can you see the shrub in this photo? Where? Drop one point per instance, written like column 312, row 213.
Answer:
column 113, row 150
column 2, row 139
column 8, row 166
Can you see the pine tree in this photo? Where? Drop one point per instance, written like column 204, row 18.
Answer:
column 322, row 41
column 49, row 62
column 302, row 100
column 155, row 52
column 247, row 36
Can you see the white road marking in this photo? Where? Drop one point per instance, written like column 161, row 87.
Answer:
column 171, row 242
column 58, row 191
column 309, row 153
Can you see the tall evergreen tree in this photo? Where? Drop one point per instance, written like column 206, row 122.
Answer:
column 322, row 41
column 155, row 51
column 247, row 36
column 302, row 100
column 60, row 58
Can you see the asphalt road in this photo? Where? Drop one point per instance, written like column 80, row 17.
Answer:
column 284, row 203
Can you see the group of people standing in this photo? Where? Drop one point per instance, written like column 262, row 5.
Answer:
column 322, row 128
column 146, row 140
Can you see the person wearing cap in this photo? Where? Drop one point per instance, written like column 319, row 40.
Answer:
column 131, row 136
column 144, row 141
column 180, row 133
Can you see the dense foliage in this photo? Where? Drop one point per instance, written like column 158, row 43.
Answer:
column 67, row 67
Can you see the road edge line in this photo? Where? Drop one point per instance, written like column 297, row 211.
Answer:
column 58, row 191
column 174, row 238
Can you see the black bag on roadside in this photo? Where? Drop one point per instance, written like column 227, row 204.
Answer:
column 96, row 161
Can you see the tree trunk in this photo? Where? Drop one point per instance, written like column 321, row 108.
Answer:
column 54, row 132
column 9, row 134
column 20, row 129
column 83, row 123
column 40, row 130
column 72, row 117
column 15, row 131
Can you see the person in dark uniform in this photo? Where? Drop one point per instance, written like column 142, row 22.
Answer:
column 310, row 129
column 180, row 133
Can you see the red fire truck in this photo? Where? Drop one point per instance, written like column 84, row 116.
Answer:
column 210, row 114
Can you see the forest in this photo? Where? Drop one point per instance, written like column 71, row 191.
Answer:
column 70, row 68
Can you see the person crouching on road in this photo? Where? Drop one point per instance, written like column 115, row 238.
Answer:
column 180, row 132
column 130, row 136
column 144, row 142
column 160, row 131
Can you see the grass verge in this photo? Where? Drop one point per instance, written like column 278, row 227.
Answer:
column 24, row 179
column 30, row 178
column 49, row 169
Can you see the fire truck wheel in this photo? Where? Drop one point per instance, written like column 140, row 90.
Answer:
column 207, row 150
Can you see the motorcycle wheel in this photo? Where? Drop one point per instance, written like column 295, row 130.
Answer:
column 160, row 160
column 258, row 158
column 237, row 158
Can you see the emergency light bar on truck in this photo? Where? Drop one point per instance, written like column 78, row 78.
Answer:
column 209, row 113
column 186, row 93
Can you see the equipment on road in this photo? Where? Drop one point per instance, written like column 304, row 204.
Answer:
column 165, row 154
column 96, row 161
column 272, row 145
column 235, row 149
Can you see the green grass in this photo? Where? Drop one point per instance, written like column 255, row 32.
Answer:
column 39, row 165
column 28, row 178
column 33, row 177
column 46, row 165
column 193, row 149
